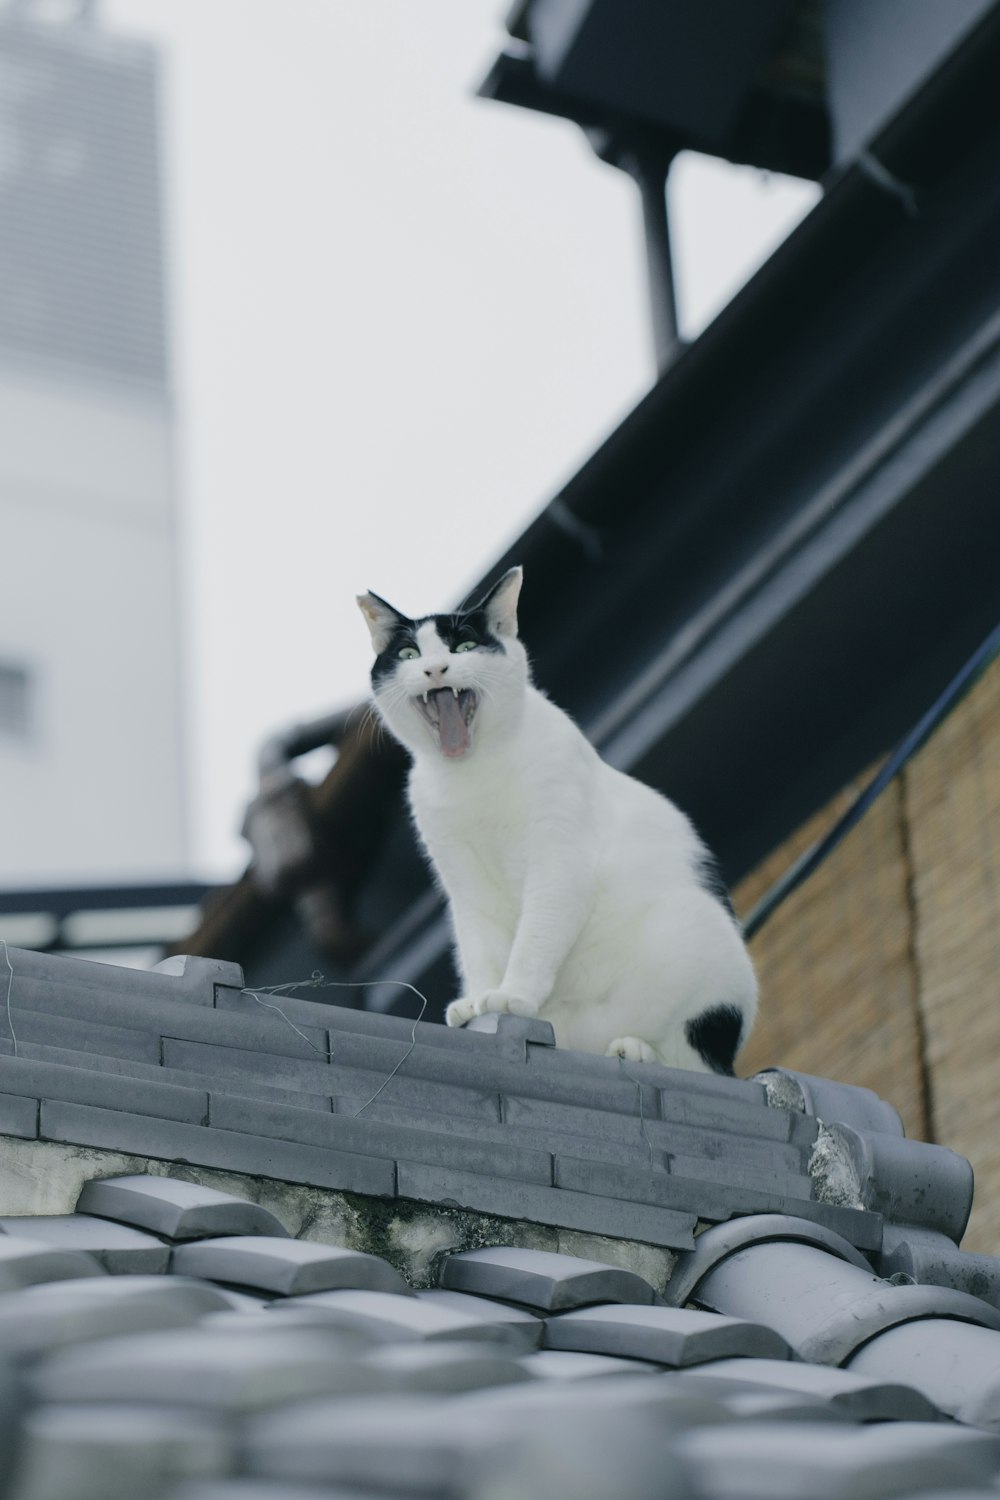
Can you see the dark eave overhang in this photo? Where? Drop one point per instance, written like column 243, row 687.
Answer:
column 771, row 567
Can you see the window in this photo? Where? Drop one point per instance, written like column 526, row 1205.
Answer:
column 15, row 700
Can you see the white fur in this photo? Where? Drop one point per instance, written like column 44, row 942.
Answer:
column 573, row 889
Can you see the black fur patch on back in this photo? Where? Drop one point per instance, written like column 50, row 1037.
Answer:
column 711, row 879
column 715, row 1035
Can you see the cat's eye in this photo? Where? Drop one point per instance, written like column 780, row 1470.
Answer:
column 408, row 653
column 465, row 646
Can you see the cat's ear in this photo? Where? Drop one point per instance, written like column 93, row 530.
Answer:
column 383, row 621
column 500, row 603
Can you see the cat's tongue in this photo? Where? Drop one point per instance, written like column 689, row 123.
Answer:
column 452, row 728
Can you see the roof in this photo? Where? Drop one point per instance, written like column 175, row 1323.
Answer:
column 266, row 1248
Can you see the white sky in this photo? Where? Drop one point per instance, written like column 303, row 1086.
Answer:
column 402, row 316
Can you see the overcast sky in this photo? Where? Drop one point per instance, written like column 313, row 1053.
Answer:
column 402, row 316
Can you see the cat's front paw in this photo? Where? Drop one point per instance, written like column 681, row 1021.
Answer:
column 631, row 1049
column 460, row 1011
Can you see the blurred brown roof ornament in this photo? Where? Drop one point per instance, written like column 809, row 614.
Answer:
column 312, row 846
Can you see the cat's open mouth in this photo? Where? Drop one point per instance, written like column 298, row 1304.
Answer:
column 450, row 712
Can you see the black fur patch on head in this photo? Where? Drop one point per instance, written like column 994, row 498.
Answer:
column 711, row 880
column 467, row 625
column 388, row 660
column 716, row 1035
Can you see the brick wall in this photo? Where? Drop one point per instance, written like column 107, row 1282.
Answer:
column 884, row 968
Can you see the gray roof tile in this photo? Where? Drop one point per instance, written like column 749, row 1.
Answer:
column 573, row 1129
column 570, row 1364
column 177, row 1209
column 343, row 1020
column 516, row 1091
column 283, row 1266
column 18, row 1116
column 545, row 1114
column 269, row 1489
column 53, row 1315
column 956, row 1365
column 513, row 1033
column 861, row 1399
column 722, row 1240
column 745, row 1404
column 594, row 1143
column 108, row 1000
column 714, row 1086
column 82, row 1036
column 25, row 1262
column 776, row 1462
column 158, row 1072
column 665, row 1397
column 777, row 1179
column 116, row 1247
column 474, row 1120
column 825, row 1308
column 213, row 1371
column 927, row 1256
column 448, row 1368
column 344, row 1443
column 169, row 1140
column 541, row 1279
column 429, row 1315
column 524, row 1327
column 908, row 1181
column 827, row 1100
column 222, row 1062
column 72, row 1452
column 715, row 1200
column 668, row 1335
column 198, row 976
column 84, row 1086
column 589, row 1455
column 719, row 1112
column 355, row 1087
column 447, row 1450
column 611, row 1216
column 365, row 1137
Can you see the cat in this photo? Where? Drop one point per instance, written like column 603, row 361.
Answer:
column 576, row 893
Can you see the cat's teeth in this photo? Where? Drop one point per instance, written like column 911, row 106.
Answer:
column 455, row 691
column 427, row 694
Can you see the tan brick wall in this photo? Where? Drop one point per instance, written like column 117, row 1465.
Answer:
column 884, row 968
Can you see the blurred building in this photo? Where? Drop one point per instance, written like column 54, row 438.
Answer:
column 90, row 733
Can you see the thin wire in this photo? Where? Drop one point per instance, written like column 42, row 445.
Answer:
column 958, row 688
column 642, row 1118
column 10, row 991
column 317, row 981
column 413, row 1043
column 324, row 1053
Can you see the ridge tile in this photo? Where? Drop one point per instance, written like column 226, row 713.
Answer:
column 285, row 1267
column 117, row 1247
column 667, row 1335
column 175, row 1208
column 542, row 1279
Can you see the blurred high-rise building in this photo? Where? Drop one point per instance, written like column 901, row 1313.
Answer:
column 90, row 713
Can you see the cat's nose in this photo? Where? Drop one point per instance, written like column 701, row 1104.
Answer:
column 435, row 671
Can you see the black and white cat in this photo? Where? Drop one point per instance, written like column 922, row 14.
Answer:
column 576, row 893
